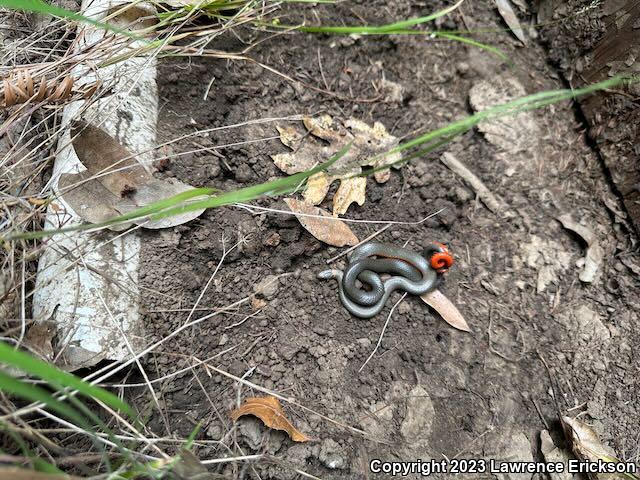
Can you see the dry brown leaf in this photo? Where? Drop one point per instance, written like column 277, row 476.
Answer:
column 114, row 182
column 89, row 198
column 269, row 410
column 587, row 446
column 367, row 145
column 330, row 230
column 350, row 190
column 317, row 188
column 103, row 156
column 447, row 310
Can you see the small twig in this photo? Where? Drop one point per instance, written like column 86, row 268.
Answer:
column 251, row 208
column 384, row 328
column 492, row 202
column 535, row 404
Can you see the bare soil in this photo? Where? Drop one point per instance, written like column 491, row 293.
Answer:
column 430, row 391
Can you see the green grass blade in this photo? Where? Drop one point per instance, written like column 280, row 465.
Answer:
column 174, row 205
column 529, row 102
column 437, row 138
column 473, row 43
column 428, row 142
column 59, row 378
column 377, row 29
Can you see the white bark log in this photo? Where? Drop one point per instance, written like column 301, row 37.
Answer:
column 87, row 283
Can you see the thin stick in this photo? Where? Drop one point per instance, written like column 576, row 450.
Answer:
column 384, row 328
column 350, row 249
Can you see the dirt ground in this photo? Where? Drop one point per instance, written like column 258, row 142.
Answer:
column 430, row 391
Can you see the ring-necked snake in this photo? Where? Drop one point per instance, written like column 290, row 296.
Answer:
column 414, row 273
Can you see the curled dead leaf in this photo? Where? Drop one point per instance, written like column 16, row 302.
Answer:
column 114, row 183
column 447, row 310
column 586, row 445
column 104, row 157
column 269, row 410
column 328, row 230
column 594, row 255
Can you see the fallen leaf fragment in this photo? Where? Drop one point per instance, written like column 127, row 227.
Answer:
column 329, row 230
column 350, row 190
column 114, row 182
column 89, row 198
column 269, row 410
column 368, row 145
column 586, row 445
column 447, row 310
column 317, row 188
column 154, row 190
column 511, row 19
column 594, row 254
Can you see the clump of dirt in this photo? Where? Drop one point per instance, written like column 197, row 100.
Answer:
column 430, row 390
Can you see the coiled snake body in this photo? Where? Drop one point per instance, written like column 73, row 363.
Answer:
column 414, row 273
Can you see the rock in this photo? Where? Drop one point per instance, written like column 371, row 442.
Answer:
column 553, row 454
column 250, row 429
column 272, row 239
column 392, row 91
column 378, row 423
column 546, row 276
column 332, row 455
column 589, row 326
column 257, row 304
column 418, row 421
column 446, row 381
column 517, row 449
column 267, row 287
column 244, row 173
column 521, row 132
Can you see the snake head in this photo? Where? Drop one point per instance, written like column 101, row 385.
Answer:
column 439, row 256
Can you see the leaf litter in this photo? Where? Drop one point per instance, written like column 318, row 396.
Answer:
column 594, row 255
column 447, row 310
column 511, row 19
column 324, row 136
